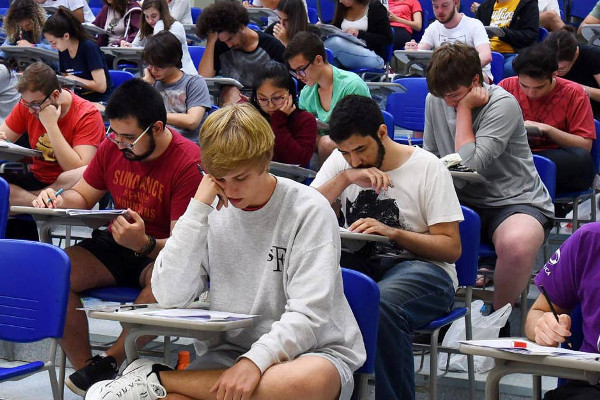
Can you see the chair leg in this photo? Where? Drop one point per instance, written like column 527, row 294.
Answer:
column 433, row 365
column 56, row 392
column 166, row 349
column 61, row 372
column 537, row 387
column 524, row 308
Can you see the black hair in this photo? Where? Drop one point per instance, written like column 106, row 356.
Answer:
column 138, row 99
column 306, row 43
column 341, row 11
column 564, row 43
column 296, row 14
column 537, row 61
column 280, row 76
column 63, row 21
column 355, row 115
column 222, row 16
column 163, row 50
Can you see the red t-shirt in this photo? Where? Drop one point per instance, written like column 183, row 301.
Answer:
column 159, row 190
column 566, row 107
column 81, row 125
column 404, row 9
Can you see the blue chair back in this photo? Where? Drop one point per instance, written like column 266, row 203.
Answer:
column 581, row 8
column 34, row 290
column 313, row 15
column 95, row 10
column 196, row 53
column 196, row 11
column 96, row 3
column 465, row 8
column 4, row 206
column 497, row 66
column 408, row 108
column 327, row 10
column 362, row 294
column 542, row 34
column 118, row 77
column 389, row 123
column 595, row 151
column 330, row 58
column 547, row 172
column 470, row 233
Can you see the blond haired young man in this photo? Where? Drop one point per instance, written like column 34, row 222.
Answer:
column 271, row 248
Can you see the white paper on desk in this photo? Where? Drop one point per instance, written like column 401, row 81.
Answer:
column 80, row 212
column 195, row 313
column 532, row 348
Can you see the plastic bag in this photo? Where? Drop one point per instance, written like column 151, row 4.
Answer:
column 584, row 211
column 484, row 327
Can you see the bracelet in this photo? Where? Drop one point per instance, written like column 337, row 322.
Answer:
column 148, row 247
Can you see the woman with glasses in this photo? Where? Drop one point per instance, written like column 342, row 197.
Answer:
column 274, row 95
column 79, row 57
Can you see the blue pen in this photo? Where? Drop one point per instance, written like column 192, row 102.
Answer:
column 59, row 191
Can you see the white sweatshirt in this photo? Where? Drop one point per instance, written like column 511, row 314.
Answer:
column 280, row 262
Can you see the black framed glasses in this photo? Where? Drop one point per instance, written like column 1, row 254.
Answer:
column 300, row 72
column 276, row 101
column 34, row 106
column 112, row 136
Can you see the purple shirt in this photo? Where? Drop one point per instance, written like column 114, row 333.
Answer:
column 572, row 276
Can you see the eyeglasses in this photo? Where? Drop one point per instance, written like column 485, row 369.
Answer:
column 300, row 71
column 112, row 136
column 275, row 101
column 34, row 106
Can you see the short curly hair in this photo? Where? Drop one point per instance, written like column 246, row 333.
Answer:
column 222, row 16
column 21, row 10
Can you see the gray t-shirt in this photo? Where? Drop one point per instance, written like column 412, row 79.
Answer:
column 500, row 153
column 190, row 91
column 8, row 92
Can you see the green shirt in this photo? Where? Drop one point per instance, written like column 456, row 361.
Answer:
column 344, row 83
column 596, row 11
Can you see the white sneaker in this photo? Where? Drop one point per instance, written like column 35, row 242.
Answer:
column 141, row 366
column 131, row 386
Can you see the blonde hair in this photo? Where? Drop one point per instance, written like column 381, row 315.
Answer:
column 235, row 136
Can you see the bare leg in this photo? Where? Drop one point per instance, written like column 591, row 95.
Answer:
column 66, row 180
column 21, row 197
column 517, row 241
column 551, row 21
column 117, row 350
column 325, row 146
column 309, row 377
column 86, row 272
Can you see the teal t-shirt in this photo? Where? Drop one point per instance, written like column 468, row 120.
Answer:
column 344, row 83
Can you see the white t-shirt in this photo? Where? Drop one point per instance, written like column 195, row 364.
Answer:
column 469, row 31
column 181, row 11
column 423, row 195
column 72, row 5
column 361, row 24
column 549, row 5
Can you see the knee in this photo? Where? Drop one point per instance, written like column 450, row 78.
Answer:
column 515, row 249
column 334, row 42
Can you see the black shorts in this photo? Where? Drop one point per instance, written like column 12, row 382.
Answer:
column 122, row 262
column 26, row 181
column 492, row 217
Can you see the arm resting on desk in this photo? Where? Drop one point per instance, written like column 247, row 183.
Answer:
column 541, row 325
column 97, row 84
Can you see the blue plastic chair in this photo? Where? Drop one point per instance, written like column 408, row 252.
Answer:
column 96, row 3
column 33, row 302
column 118, row 77
column 579, row 9
column 362, row 294
column 196, row 53
column 466, row 269
column 542, row 34
column 578, row 197
column 4, row 206
column 326, row 10
column 408, row 108
column 369, row 74
column 196, row 11
column 497, row 66
column 313, row 15
column 329, row 53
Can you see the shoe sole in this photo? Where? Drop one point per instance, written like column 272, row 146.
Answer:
column 74, row 388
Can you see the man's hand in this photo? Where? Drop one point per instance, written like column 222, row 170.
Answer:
column 212, row 37
column 48, row 194
column 237, row 382
column 371, row 225
column 49, row 115
column 352, row 31
column 369, row 177
column 477, row 97
column 208, row 189
column 549, row 332
column 148, row 77
column 412, row 45
column 3, row 136
column 474, row 7
column 129, row 233
column 541, row 126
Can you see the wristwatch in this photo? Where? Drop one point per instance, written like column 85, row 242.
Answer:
column 148, row 247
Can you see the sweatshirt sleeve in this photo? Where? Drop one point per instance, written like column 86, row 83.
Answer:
column 179, row 273
column 379, row 32
column 310, row 301
column 295, row 137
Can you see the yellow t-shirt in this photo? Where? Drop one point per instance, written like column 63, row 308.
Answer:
column 501, row 17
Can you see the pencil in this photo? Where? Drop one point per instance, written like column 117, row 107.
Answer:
column 567, row 340
column 59, row 191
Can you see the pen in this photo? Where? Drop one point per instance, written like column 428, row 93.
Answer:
column 131, row 307
column 59, row 191
column 567, row 340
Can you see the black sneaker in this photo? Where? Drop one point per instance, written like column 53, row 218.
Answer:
column 97, row 369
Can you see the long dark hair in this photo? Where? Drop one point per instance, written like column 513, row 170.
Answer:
column 297, row 18
column 63, row 21
column 280, row 77
column 20, row 10
column 165, row 15
column 341, row 11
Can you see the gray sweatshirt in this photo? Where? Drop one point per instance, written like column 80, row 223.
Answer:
column 280, row 262
column 500, row 152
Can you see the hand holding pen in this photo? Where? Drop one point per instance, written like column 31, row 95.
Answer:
column 48, row 199
column 209, row 189
column 552, row 329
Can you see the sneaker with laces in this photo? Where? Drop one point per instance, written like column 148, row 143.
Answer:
column 97, row 369
column 131, row 386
